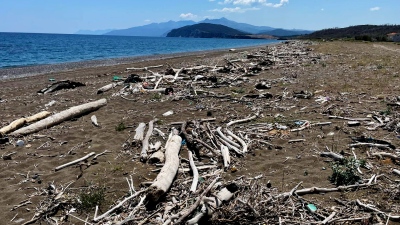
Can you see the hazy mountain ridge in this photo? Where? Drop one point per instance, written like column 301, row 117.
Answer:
column 151, row 30
column 93, row 32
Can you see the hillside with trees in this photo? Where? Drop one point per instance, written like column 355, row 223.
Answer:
column 208, row 30
column 360, row 32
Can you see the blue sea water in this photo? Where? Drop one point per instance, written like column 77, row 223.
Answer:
column 29, row 49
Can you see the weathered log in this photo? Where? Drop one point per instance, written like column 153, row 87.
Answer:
column 22, row 121
column 139, row 132
column 156, row 157
column 164, row 179
column 225, row 156
column 145, row 142
column 242, row 120
column 60, row 117
column 106, row 88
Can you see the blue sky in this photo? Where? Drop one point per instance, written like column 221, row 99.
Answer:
column 62, row 16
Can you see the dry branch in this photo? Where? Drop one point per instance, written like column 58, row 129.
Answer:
column 60, row 117
column 75, row 161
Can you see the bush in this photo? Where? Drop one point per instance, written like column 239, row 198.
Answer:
column 344, row 172
column 120, row 127
column 89, row 199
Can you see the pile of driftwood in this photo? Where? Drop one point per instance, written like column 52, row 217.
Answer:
column 194, row 155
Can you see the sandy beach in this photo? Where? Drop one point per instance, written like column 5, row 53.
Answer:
column 345, row 79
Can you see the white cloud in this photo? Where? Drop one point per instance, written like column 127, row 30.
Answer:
column 234, row 10
column 251, row 2
column 375, row 9
column 187, row 16
column 147, row 21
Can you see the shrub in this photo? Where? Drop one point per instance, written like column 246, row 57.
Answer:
column 120, row 127
column 344, row 172
column 89, row 199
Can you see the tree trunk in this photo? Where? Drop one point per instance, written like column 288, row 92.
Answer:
column 22, row 121
column 167, row 174
column 60, row 117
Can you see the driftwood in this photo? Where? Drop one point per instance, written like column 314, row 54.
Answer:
column 75, row 161
column 145, row 142
column 317, row 190
column 64, row 84
column 94, row 120
column 242, row 120
column 106, row 88
column 60, row 117
column 139, row 132
column 225, row 156
column 332, row 155
column 195, row 173
column 212, row 203
column 164, row 179
column 22, row 121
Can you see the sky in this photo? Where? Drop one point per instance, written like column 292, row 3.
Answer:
column 62, row 16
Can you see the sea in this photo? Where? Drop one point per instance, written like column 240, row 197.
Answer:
column 19, row 50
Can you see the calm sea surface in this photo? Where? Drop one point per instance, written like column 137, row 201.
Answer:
column 23, row 49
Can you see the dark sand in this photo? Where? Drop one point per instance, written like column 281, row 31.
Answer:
column 346, row 75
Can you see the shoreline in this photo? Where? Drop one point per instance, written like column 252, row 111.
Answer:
column 29, row 71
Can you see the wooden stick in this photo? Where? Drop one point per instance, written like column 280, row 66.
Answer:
column 327, row 219
column 222, row 135
column 144, row 68
column 315, row 190
column 188, row 211
column 386, row 154
column 117, row 206
column 332, row 155
column 195, row 172
column 241, row 141
column 60, row 117
column 242, row 120
column 75, row 161
column 370, row 145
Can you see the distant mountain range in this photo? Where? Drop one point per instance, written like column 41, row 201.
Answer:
column 207, row 30
column 162, row 29
column 93, row 32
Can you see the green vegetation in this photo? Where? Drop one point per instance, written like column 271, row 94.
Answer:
column 120, row 127
column 344, row 172
column 207, row 30
column 90, row 198
column 360, row 32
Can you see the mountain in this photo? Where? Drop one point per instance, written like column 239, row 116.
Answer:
column 207, row 30
column 238, row 26
column 93, row 32
column 371, row 31
column 151, row 30
column 285, row 33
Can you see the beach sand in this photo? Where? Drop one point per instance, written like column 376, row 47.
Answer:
column 347, row 73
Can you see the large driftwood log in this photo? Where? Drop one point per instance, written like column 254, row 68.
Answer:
column 164, row 179
column 22, row 121
column 60, row 117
